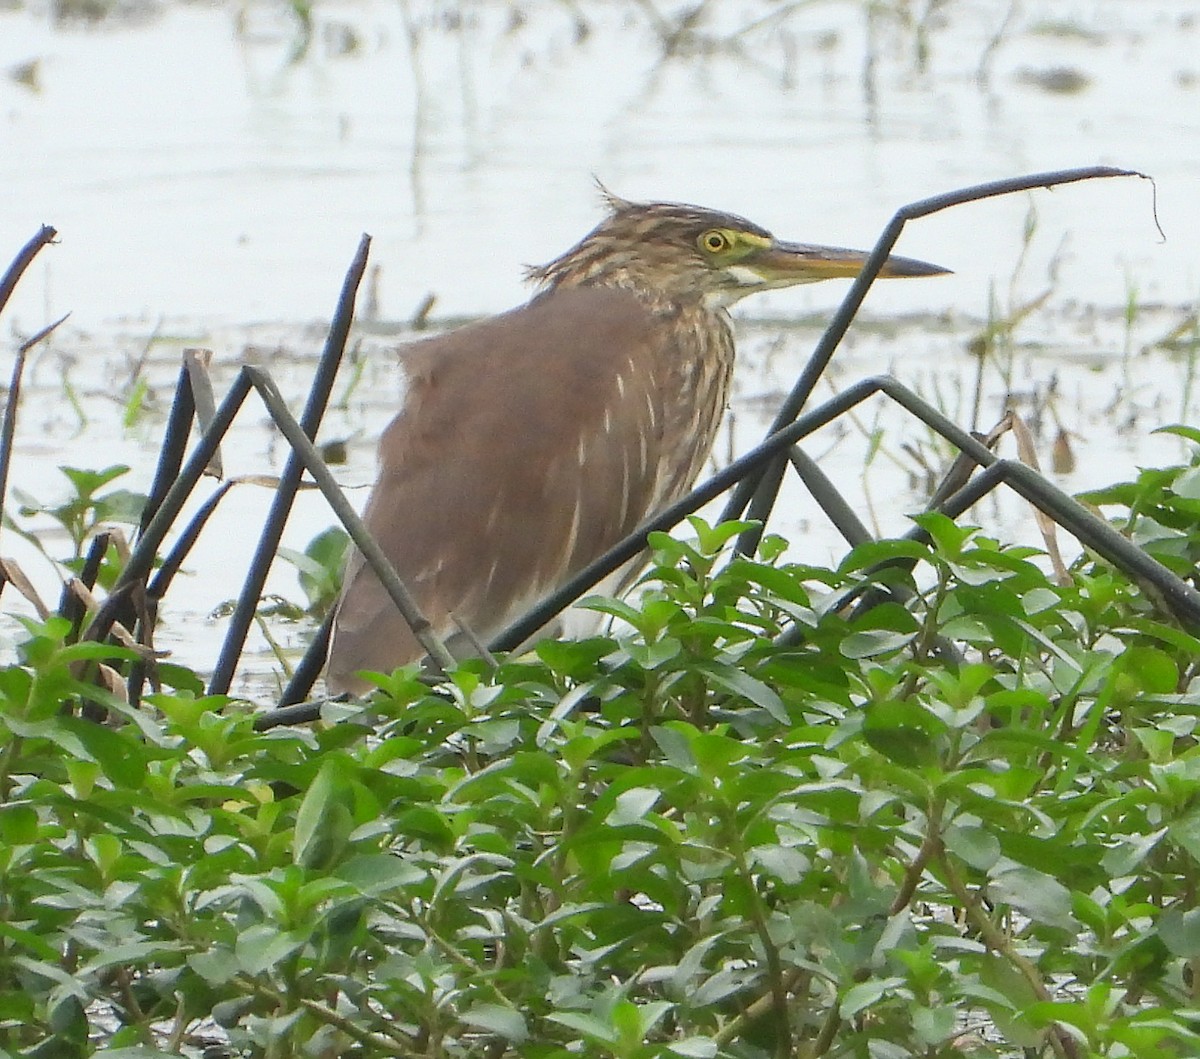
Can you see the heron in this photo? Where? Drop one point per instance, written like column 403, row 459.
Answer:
column 530, row 442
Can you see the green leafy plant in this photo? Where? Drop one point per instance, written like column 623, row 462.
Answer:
column 962, row 822
column 82, row 513
column 319, row 567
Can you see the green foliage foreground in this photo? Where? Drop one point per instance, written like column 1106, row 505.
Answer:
column 964, row 824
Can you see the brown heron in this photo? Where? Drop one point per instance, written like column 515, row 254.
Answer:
column 530, row 442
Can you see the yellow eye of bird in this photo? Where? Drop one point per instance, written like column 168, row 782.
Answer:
column 714, row 241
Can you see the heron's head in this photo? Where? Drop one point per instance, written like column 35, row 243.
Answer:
column 678, row 253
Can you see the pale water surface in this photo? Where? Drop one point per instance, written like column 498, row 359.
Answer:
column 210, row 190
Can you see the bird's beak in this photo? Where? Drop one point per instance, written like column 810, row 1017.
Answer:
column 781, row 264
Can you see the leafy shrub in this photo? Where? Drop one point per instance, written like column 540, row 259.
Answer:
column 964, row 822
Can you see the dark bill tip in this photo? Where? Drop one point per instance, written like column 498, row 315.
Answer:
column 898, row 267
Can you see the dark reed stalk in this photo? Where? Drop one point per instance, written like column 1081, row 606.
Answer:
column 289, row 482
column 306, row 454
column 141, row 559
column 296, row 713
column 165, row 574
column 174, row 445
column 1183, row 600
column 847, row 522
column 69, row 605
column 304, row 676
column 953, row 505
column 9, row 428
column 956, row 476
column 760, row 490
column 844, row 518
column 173, row 560
column 8, row 283
column 1167, row 589
column 1167, row 592
column 14, row 272
column 170, row 459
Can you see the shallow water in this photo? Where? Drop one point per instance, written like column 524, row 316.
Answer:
column 201, row 182
column 193, row 172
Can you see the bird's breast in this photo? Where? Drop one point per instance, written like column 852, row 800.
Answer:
column 695, row 392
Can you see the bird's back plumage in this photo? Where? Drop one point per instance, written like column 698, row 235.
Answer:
column 547, row 423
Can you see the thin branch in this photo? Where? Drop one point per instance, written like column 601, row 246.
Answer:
column 24, row 258
column 281, row 506
column 9, row 429
column 853, row 300
column 996, row 940
column 308, row 457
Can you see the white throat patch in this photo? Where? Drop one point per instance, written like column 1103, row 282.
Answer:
column 748, row 280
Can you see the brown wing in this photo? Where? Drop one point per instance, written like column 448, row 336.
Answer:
column 527, row 445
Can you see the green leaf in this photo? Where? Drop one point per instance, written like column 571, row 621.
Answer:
column 654, row 655
column 615, row 608
column 1188, row 484
column 324, row 820
column 947, row 535
column 713, row 539
column 903, row 731
column 875, row 642
column 575, row 658
column 497, row 1019
column 590, row 1026
column 1130, row 852
column 934, row 1025
column 975, row 845
column 18, row 825
column 216, row 966
column 883, row 551
column 92, row 651
column 122, row 758
column 861, row 996
column 319, row 566
column 1185, row 833
column 87, row 482
column 632, row 805
column 121, row 505
column 137, row 953
column 1153, row 670
column 30, row 940
column 694, row 1047
column 1181, row 430
column 377, row 874
column 1180, row 931
column 742, row 684
column 1006, row 994
column 1039, row 896
column 1158, row 744
column 262, row 947
column 635, row 1021
column 787, row 863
